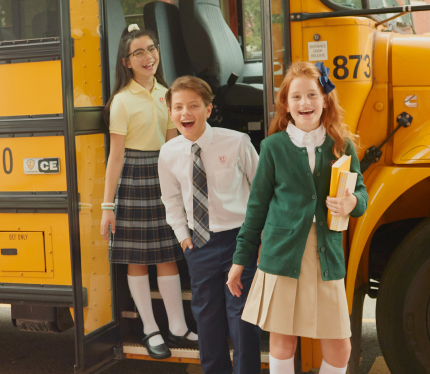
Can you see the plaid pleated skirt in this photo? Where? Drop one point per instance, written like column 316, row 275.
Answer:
column 142, row 235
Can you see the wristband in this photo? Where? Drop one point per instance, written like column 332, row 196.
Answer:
column 108, row 207
column 108, row 204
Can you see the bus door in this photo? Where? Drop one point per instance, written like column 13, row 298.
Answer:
column 83, row 55
column 275, row 37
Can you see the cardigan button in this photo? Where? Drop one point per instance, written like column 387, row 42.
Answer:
column 319, row 150
column 304, row 151
column 322, row 249
column 318, row 174
column 325, row 273
column 321, row 223
column 313, row 197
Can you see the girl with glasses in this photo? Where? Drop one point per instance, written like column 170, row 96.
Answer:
column 139, row 125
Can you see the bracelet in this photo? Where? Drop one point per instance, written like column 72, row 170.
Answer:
column 108, row 204
column 108, row 207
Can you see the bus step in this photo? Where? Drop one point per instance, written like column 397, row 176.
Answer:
column 134, row 349
column 129, row 314
column 155, row 294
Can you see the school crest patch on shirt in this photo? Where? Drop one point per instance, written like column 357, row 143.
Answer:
column 222, row 159
column 161, row 100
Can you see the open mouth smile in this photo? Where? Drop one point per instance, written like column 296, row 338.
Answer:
column 187, row 124
column 149, row 66
column 306, row 112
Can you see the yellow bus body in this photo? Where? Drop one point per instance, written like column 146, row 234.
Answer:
column 35, row 88
column 398, row 183
column 372, row 97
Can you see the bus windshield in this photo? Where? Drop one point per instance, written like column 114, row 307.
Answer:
column 406, row 23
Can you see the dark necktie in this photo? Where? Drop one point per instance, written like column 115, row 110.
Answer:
column 200, row 200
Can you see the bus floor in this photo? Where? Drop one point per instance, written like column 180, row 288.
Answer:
column 37, row 353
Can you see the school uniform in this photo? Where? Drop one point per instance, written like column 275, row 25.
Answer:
column 142, row 235
column 299, row 287
column 229, row 163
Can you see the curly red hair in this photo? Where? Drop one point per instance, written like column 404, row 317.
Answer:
column 331, row 117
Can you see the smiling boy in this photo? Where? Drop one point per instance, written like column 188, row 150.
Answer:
column 205, row 178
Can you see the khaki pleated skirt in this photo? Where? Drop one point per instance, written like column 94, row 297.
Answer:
column 308, row 306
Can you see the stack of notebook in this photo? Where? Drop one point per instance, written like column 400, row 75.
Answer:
column 341, row 179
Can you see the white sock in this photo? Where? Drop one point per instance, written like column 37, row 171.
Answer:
column 170, row 290
column 281, row 366
column 328, row 369
column 141, row 293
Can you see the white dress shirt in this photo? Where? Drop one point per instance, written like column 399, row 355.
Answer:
column 310, row 140
column 230, row 162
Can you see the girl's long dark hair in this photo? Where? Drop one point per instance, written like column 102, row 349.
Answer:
column 123, row 75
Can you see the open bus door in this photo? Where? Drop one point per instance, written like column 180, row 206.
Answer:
column 275, row 35
column 97, row 332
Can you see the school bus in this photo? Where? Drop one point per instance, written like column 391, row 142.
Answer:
column 57, row 61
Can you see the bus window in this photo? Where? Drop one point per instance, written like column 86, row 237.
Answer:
column 417, row 23
column 252, row 29
column 28, row 19
column 133, row 10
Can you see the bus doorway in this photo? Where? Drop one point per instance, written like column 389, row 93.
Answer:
column 239, row 105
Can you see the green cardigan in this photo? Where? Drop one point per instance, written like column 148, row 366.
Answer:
column 284, row 198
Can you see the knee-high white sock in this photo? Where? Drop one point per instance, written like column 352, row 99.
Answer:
column 170, row 290
column 139, row 288
column 281, row 366
column 328, row 369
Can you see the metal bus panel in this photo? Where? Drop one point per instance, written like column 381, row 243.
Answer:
column 32, row 88
column 96, row 269
column 87, row 69
column 54, row 228
column 15, row 151
column 412, row 145
column 410, row 56
column 348, row 53
column 22, row 251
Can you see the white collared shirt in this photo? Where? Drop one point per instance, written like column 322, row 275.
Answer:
column 310, row 140
column 230, row 162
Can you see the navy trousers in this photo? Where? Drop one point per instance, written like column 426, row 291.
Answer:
column 217, row 312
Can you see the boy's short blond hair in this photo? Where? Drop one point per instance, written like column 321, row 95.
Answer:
column 187, row 82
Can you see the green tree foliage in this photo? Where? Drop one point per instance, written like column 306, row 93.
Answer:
column 134, row 7
column 252, row 21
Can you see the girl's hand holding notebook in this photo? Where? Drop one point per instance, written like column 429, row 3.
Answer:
column 341, row 200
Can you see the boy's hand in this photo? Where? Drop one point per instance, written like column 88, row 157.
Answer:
column 234, row 284
column 187, row 243
column 341, row 206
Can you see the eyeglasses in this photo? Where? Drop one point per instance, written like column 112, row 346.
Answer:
column 139, row 54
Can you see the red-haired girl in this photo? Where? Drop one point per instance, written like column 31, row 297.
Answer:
column 298, row 289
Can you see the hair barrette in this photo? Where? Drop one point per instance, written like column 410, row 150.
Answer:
column 133, row 27
column 324, row 80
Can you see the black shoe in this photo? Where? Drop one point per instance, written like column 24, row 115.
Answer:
column 158, row 352
column 174, row 341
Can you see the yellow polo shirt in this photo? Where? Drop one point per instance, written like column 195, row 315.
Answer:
column 141, row 116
